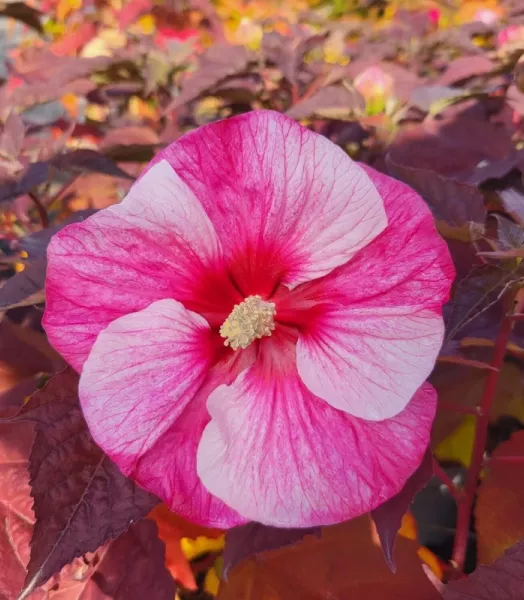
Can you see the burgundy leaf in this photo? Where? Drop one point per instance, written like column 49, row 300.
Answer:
column 388, row 516
column 515, row 98
column 455, row 144
column 40, row 92
column 16, row 516
column 451, row 201
column 478, row 303
column 85, row 160
column 22, row 12
column 512, row 201
column 253, row 538
column 12, row 138
column 133, row 566
column 333, row 101
column 509, row 235
column 217, row 63
column 497, row 168
column 499, row 518
column 464, row 68
column 26, row 352
column 130, row 135
column 140, row 153
column 425, row 96
column 81, row 499
column 42, row 65
column 503, row 580
column 35, row 244
column 35, row 174
column 132, row 10
column 287, row 52
column 25, row 288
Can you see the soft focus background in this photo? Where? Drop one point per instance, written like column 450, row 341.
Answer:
column 428, row 91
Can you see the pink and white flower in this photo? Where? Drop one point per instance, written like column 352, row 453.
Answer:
column 254, row 325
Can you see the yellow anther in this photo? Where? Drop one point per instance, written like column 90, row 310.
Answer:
column 250, row 320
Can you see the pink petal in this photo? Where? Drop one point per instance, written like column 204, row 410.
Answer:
column 142, row 372
column 279, row 455
column 376, row 327
column 143, row 391
column 288, row 205
column 369, row 362
column 169, row 470
column 158, row 243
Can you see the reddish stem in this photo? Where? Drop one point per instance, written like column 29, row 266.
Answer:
column 314, row 87
column 465, row 501
column 42, row 212
column 295, row 94
column 445, row 478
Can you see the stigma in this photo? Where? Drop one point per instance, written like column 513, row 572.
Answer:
column 250, row 320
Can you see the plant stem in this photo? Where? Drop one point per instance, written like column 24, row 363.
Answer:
column 42, row 212
column 466, row 498
column 445, row 478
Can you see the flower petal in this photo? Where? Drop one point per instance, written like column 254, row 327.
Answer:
column 158, row 243
column 143, row 392
column 279, row 455
column 168, row 470
column 288, row 205
column 142, row 372
column 375, row 328
column 369, row 362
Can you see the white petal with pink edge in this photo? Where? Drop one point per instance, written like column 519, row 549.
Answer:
column 142, row 372
column 278, row 455
column 369, row 361
column 288, row 205
column 158, row 243
column 168, row 470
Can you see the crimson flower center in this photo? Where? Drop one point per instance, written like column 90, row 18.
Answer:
column 250, row 320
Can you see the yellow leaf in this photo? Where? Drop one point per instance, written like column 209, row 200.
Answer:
column 211, row 582
column 201, row 545
column 139, row 109
column 96, row 47
column 459, row 444
column 65, row 7
column 71, row 103
column 146, row 25
column 96, row 112
column 432, row 561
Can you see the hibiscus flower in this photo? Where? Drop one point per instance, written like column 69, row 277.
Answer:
column 254, row 324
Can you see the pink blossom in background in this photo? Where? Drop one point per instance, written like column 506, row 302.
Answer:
column 512, row 34
column 434, row 17
column 254, row 325
column 376, row 87
column 488, row 16
column 374, row 82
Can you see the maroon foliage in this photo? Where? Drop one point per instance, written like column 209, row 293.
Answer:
column 333, row 101
column 253, row 538
column 220, row 61
column 16, row 517
column 22, row 12
column 287, row 52
column 503, row 580
column 132, row 567
column 81, row 498
column 26, row 288
column 464, row 68
column 388, row 516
